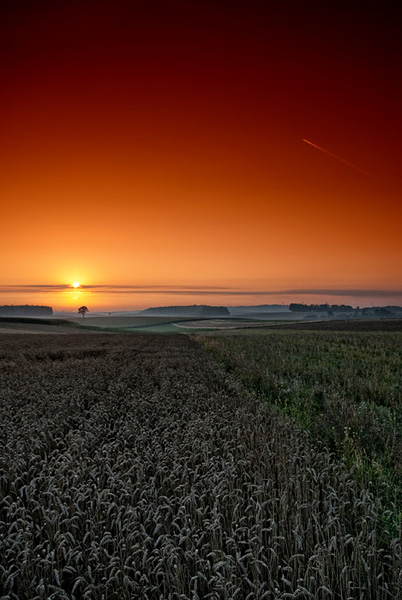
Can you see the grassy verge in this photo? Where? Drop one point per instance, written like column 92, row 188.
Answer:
column 345, row 389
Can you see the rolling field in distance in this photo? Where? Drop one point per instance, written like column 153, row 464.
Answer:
column 37, row 326
column 256, row 323
column 167, row 324
column 120, row 324
column 124, row 322
column 135, row 466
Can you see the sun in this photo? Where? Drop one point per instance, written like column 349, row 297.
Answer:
column 76, row 284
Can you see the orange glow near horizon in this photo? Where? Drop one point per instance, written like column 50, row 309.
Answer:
column 160, row 158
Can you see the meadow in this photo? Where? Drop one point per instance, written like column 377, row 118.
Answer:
column 137, row 466
column 343, row 387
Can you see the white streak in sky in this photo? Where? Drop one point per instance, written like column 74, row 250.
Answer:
column 346, row 162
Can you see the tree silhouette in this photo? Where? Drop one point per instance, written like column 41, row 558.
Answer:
column 82, row 310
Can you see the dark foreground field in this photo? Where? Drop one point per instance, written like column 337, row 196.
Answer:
column 134, row 467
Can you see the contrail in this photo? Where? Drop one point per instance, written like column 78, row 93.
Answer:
column 345, row 161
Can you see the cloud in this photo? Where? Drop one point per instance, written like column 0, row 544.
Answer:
column 357, row 293
column 202, row 291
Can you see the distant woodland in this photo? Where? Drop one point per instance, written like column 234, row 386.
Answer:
column 320, row 307
column 25, row 311
column 345, row 311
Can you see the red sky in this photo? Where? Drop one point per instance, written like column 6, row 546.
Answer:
column 158, row 145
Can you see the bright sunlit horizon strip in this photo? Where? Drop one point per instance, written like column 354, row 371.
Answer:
column 125, row 297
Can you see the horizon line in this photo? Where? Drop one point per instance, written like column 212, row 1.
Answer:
column 195, row 290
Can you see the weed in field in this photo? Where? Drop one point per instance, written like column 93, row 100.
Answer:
column 345, row 389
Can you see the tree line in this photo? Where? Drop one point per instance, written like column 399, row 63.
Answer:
column 295, row 307
column 25, row 311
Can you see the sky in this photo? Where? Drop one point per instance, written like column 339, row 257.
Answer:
column 219, row 152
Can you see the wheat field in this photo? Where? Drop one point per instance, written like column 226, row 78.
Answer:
column 133, row 466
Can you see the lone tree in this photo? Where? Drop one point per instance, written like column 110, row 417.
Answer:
column 82, row 310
